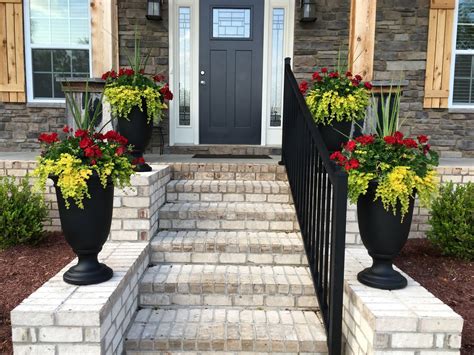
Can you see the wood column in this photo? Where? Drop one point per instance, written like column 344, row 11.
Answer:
column 362, row 37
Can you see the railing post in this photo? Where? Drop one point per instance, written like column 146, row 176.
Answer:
column 286, row 106
column 337, row 262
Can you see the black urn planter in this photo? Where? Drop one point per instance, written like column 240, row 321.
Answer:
column 138, row 131
column 335, row 134
column 384, row 235
column 86, row 231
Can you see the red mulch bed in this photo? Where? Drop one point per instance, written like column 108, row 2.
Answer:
column 449, row 279
column 23, row 269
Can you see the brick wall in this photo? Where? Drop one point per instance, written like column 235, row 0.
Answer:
column 135, row 215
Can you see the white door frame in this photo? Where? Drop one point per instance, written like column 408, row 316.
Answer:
column 190, row 134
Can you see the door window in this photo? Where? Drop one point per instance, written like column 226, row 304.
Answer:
column 230, row 23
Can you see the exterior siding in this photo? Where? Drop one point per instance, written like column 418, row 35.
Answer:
column 400, row 49
column 400, row 53
column 21, row 124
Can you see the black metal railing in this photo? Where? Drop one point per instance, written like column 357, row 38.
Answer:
column 319, row 190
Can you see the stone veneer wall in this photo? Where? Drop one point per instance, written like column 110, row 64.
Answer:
column 154, row 40
column 400, row 53
column 135, row 215
column 21, row 124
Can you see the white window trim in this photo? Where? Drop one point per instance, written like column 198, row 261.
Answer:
column 273, row 135
column 452, row 106
column 183, row 134
column 28, row 58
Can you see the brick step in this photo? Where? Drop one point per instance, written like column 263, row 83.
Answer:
column 228, row 285
column 225, row 330
column 228, row 247
column 228, row 216
column 270, row 171
column 228, row 191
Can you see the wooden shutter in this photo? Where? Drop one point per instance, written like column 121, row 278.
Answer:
column 12, row 67
column 438, row 56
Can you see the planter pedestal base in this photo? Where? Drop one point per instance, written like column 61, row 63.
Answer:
column 381, row 275
column 88, row 271
column 140, row 167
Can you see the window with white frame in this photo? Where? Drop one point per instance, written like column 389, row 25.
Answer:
column 57, row 45
column 463, row 76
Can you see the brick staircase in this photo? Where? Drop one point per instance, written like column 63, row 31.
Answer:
column 228, row 271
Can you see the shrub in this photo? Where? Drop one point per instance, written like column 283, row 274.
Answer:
column 22, row 213
column 452, row 220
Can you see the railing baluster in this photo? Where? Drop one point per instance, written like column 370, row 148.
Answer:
column 319, row 191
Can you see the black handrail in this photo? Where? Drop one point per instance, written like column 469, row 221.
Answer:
column 319, row 190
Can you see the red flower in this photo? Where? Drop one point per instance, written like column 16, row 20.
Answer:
column 116, row 137
column 351, row 164
column 165, row 91
column 137, row 161
column 110, row 74
column 93, row 151
column 66, row 129
column 120, row 150
column 81, row 133
column 341, row 159
column 355, row 82
column 85, row 142
column 365, row 139
column 159, row 78
column 324, row 70
column 410, row 143
column 390, row 140
column 303, row 87
column 99, row 136
column 399, row 137
column 316, row 76
column 422, row 139
column 48, row 138
column 93, row 162
column 348, row 74
column 368, row 85
column 426, row 148
column 350, row 146
column 358, row 77
column 126, row 71
column 334, row 74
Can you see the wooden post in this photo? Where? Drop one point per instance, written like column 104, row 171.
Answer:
column 362, row 37
column 104, row 29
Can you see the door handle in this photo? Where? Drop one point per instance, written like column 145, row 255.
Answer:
column 202, row 82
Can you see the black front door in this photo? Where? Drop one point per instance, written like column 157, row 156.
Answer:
column 230, row 71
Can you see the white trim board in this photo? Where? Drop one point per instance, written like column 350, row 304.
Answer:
column 28, row 58
column 454, row 51
column 190, row 134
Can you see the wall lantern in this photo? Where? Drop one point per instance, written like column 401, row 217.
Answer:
column 309, row 10
column 154, row 9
